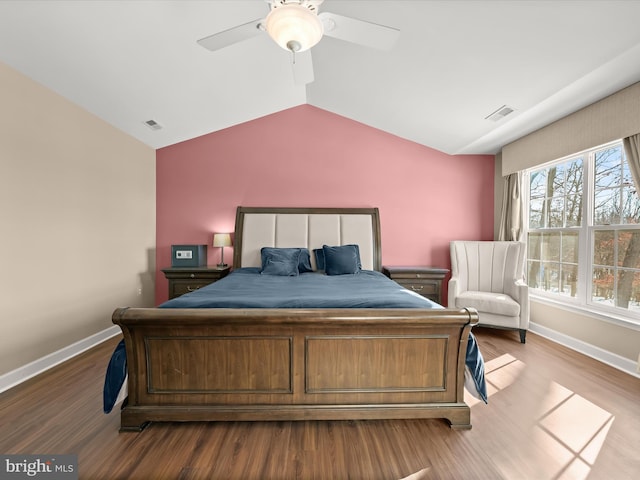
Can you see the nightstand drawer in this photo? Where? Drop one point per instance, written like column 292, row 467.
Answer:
column 421, row 287
column 189, row 279
column 206, row 275
column 180, row 287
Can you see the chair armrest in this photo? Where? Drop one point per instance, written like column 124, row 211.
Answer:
column 454, row 291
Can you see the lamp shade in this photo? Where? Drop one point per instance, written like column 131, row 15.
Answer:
column 221, row 240
column 294, row 27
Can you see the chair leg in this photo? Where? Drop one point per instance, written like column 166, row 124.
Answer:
column 523, row 335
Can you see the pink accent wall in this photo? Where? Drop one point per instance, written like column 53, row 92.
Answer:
column 308, row 157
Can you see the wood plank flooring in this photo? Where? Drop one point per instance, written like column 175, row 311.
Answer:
column 552, row 414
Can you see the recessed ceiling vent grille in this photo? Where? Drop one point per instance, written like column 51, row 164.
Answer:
column 500, row 113
column 153, row 125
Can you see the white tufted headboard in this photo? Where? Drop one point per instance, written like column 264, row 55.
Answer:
column 258, row 227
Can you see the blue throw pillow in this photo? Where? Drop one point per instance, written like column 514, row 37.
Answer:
column 304, row 261
column 341, row 260
column 280, row 261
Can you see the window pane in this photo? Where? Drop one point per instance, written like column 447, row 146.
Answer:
column 603, row 247
column 533, row 245
column 570, row 247
column 535, row 213
column 551, row 277
column 606, row 207
column 630, row 206
column 608, row 184
column 608, row 168
column 551, row 247
column 556, row 177
column 534, row 277
column 628, row 293
column 629, row 248
column 556, row 211
column 573, row 178
column 538, row 183
column 574, row 211
column 533, row 254
column 569, row 279
column 603, row 286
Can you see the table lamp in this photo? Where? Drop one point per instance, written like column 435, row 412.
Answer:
column 222, row 240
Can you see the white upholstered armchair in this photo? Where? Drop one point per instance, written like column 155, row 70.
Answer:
column 489, row 276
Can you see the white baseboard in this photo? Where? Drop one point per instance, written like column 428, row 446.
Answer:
column 611, row 359
column 19, row 375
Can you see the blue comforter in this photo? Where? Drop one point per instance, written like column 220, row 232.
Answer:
column 247, row 288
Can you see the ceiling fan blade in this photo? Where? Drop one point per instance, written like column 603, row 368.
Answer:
column 233, row 35
column 358, row 31
column 302, row 68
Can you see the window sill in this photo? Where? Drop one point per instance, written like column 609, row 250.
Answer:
column 619, row 320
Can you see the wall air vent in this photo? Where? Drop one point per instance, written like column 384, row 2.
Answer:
column 500, row 113
column 153, row 125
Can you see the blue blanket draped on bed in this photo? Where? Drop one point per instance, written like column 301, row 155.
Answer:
column 247, row 288
column 115, row 377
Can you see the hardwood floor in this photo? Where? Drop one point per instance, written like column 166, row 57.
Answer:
column 552, row 414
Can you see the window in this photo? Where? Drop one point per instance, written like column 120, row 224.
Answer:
column 583, row 232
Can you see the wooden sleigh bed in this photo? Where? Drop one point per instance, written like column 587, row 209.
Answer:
column 215, row 364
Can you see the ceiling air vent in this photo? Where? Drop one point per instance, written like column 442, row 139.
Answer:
column 500, row 113
column 153, row 125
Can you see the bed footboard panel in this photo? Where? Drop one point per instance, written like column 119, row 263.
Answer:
column 218, row 364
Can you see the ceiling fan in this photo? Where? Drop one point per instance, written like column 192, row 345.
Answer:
column 297, row 26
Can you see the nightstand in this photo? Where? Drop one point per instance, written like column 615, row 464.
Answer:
column 188, row 279
column 427, row 281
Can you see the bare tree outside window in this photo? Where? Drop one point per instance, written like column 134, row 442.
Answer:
column 555, row 209
column 616, row 250
column 560, row 216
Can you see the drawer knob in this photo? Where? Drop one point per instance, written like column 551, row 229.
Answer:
column 417, row 289
column 191, row 289
column 193, row 275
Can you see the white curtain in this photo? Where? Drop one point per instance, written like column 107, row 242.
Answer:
column 512, row 214
column 632, row 151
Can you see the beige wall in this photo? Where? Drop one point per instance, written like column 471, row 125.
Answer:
column 77, row 216
column 589, row 329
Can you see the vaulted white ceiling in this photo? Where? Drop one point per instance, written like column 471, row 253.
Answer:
column 454, row 63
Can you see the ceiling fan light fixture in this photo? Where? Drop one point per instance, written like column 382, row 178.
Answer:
column 294, row 27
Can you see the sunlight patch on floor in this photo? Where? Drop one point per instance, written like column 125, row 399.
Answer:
column 569, row 430
column 576, row 427
column 499, row 373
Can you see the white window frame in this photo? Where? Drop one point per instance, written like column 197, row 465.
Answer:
column 582, row 302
